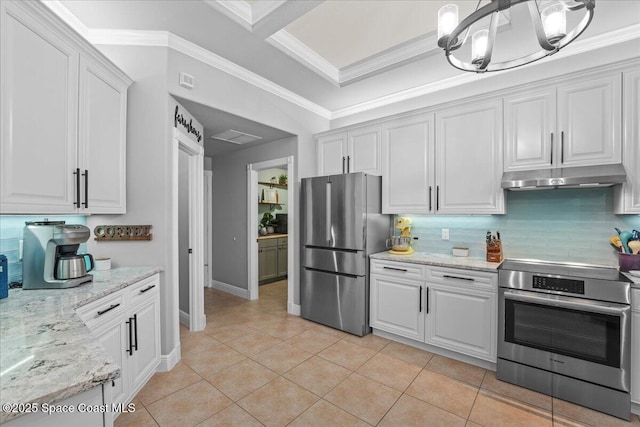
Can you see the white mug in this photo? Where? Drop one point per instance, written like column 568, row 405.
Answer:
column 103, row 264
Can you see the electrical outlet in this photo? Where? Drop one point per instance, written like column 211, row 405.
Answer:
column 445, row 234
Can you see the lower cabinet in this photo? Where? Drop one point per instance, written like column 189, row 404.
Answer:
column 635, row 346
column 272, row 259
column 127, row 324
column 450, row 308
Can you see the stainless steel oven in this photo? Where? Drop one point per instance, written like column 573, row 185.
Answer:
column 564, row 330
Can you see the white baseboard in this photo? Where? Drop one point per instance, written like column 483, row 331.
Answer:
column 635, row 408
column 168, row 361
column 230, row 289
column 184, row 318
column 294, row 309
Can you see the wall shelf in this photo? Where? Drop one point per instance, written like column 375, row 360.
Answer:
column 270, row 184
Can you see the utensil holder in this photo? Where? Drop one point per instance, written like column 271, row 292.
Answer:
column 629, row 262
column 494, row 251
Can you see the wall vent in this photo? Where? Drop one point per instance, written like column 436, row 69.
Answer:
column 187, row 81
column 235, row 137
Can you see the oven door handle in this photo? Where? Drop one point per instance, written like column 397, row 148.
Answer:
column 566, row 302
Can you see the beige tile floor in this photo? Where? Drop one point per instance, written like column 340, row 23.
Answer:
column 256, row 365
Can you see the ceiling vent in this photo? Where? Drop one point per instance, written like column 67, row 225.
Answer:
column 235, row 137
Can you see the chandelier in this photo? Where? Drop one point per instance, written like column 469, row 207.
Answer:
column 540, row 31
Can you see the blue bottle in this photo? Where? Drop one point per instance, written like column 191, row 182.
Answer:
column 4, row 277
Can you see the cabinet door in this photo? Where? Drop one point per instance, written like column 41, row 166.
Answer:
column 114, row 338
column 267, row 262
column 627, row 196
column 39, row 116
column 146, row 353
column 590, row 121
column 396, row 306
column 282, row 257
column 102, row 140
column 407, row 166
column 363, row 152
column 332, row 154
column 463, row 320
column 529, row 126
column 469, row 159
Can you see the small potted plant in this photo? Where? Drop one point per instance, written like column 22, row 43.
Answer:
column 266, row 220
column 283, row 179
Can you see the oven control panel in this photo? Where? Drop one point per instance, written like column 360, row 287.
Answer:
column 557, row 284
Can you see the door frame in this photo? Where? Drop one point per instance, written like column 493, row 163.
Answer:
column 208, row 239
column 252, row 229
column 182, row 142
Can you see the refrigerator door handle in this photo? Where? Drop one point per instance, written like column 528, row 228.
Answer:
column 328, row 213
column 335, row 273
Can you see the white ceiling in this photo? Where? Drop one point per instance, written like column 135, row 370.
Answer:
column 334, row 55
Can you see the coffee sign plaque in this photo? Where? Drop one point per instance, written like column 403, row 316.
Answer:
column 112, row 233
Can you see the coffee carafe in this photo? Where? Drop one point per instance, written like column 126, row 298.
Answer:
column 50, row 255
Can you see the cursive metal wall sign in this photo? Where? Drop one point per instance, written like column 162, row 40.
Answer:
column 122, row 232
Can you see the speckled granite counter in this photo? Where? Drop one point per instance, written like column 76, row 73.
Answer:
column 441, row 260
column 46, row 352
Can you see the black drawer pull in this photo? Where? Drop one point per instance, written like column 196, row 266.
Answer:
column 460, row 278
column 142, row 291
column 101, row 312
column 395, row 269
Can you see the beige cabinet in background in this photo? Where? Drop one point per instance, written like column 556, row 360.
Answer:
column 272, row 259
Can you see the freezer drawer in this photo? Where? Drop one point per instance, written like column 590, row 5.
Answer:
column 337, row 261
column 335, row 300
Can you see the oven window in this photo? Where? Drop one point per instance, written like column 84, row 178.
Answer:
column 588, row 336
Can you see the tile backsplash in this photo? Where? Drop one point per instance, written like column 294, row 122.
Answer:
column 11, row 231
column 572, row 225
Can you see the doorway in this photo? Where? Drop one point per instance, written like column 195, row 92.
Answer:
column 188, row 231
column 253, row 189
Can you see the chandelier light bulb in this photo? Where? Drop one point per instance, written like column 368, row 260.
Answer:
column 447, row 20
column 554, row 22
column 479, row 43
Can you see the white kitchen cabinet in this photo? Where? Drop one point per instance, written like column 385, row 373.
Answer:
column 573, row 124
column 408, row 165
column 627, row 195
column 450, row 308
column 63, row 125
column 355, row 151
column 127, row 324
column 468, row 159
column 396, row 306
column 635, row 346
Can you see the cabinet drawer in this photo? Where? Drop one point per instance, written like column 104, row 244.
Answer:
column 267, row 243
column 146, row 288
column 635, row 300
column 398, row 269
column 103, row 310
column 460, row 277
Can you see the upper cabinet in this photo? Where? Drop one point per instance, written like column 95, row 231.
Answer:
column 573, row 124
column 354, row 151
column 627, row 195
column 63, row 125
column 469, row 159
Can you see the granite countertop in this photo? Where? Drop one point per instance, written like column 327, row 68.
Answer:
column 441, row 260
column 46, row 352
column 271, row 236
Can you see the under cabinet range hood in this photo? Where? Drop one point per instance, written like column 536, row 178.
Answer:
column 574, row 177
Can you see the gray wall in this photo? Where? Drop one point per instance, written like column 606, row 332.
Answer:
column 230, row 264
column 183, row 230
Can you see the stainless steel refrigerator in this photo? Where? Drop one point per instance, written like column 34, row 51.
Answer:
column 341, row 225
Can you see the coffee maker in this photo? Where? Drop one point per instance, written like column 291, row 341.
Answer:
column 50, row 259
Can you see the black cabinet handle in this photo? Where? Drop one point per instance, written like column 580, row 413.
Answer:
column 437, row 197
column 86, row 188
column 427, row 300
column 562, row 147
column 142, row 291
column 459, row 278
column 395, row 269
column 551, row 147
column 420, row 293
column 430, row 191
column 343, row 159
column 348, row 163
column 135, row 331
column 101, row 312
column 130, row 349
column 76, row 202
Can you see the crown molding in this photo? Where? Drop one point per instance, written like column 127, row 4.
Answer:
column 100, row 36
column 238, row 10
column 611, row 38
column 308, row 57
column 262, row 9
column 67, row 16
